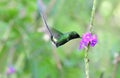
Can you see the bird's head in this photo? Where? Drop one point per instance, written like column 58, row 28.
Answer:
column 74, row 34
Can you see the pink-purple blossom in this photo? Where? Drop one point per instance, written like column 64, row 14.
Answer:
column 88, row 39
column 10, row 70
column 93, row 40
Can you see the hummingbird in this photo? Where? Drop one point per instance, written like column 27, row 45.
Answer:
column 57, row 37
column 60, row 38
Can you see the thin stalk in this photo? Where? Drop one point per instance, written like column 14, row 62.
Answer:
column 86, row 63
column 92, row 15
column 87, row 49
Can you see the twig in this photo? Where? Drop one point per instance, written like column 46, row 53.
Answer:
column 87, row 49
column 58, row 62
column 56, row 58
column 92, row 15
column 116, row 61
column 86, row 63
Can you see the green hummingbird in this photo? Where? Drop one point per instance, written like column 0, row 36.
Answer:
column 60, row 38
column 57, row 37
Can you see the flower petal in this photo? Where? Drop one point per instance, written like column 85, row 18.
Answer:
column 93, row 40
column 86, row 38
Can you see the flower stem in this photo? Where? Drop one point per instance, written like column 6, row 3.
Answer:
column 87, row 49
column 86, row 63
column 92, row 15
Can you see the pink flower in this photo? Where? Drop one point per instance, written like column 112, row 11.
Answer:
column 87, row 38
column 10, row 70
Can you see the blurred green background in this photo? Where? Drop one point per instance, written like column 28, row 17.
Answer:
column 25, row 44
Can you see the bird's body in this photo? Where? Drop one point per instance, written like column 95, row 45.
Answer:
column 64, row 38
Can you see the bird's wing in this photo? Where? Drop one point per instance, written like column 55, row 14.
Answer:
column 56, row 33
